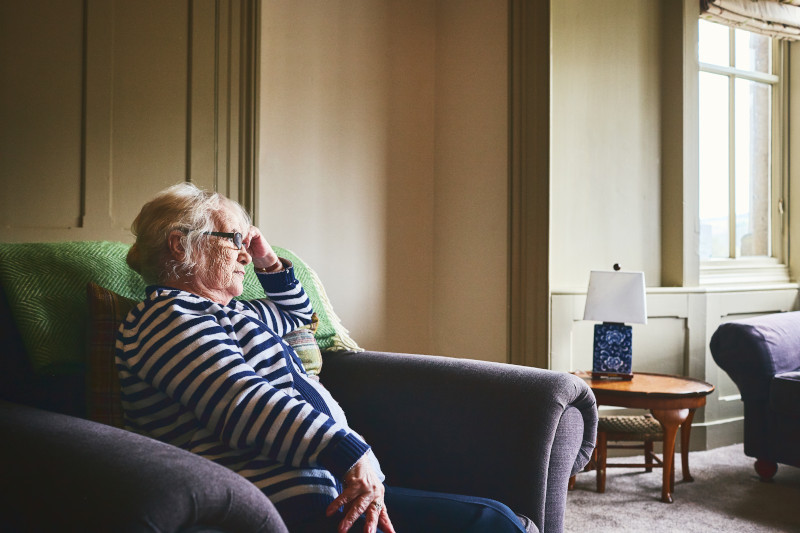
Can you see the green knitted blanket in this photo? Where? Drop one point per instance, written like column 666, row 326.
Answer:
column 45, row 284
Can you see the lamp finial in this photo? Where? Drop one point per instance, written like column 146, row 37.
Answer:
column 617, row 268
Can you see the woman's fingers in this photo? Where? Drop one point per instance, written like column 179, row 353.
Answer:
column 378, row 515
column 340, row 501
column 256, row 242
column 372, row 515
column 350, row 493
column 362, row 495
column 372, row 508
column 358, row 507
column 259, row 249
column 384, row 522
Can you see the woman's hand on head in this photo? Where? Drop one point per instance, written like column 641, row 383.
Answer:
column 259, row 249
column 362, row 494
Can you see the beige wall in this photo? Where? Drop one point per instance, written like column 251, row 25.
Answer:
column 605, row 151
column 383, row 164
column 471, row 181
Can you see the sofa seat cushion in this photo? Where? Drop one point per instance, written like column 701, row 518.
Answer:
column 784, row 393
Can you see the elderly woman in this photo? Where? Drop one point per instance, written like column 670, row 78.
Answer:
column 210, row 374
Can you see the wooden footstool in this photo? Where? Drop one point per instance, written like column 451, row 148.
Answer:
column 643, row 430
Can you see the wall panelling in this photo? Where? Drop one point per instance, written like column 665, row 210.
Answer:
column 103, row 103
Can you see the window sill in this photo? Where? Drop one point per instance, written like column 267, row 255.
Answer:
column 751, row 272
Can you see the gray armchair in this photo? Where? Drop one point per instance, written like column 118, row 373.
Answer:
column 515, row 434
column 64, row 473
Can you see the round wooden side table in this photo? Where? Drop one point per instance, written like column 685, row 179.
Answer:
column 671, row 399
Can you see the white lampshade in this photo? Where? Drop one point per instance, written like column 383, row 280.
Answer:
column 616, row 297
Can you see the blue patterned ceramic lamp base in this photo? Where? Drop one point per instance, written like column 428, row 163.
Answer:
column 613, row 347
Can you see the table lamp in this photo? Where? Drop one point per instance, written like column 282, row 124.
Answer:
column 614, row 298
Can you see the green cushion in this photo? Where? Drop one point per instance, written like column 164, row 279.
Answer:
column 45, row 284
column 46, row 288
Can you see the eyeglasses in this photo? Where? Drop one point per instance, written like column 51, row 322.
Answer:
column 235, row 237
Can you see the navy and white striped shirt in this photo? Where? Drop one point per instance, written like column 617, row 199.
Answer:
column 217, row 380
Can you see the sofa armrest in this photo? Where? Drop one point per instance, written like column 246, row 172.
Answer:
column 507, row 432
column 753, row 350
column 59, row 472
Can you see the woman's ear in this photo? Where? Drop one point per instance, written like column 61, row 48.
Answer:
column 176, row 245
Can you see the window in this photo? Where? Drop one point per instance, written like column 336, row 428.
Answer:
column 740, row 145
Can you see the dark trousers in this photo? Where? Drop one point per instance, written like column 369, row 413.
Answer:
column 416, row 511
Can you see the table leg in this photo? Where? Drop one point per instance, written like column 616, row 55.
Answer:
column 601, row 451
column 686, row 430
column 670, row 420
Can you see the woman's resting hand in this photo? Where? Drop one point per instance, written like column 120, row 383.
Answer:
column 260, row 250
column 362, row 494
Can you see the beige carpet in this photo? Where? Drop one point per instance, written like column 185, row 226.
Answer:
column 726, row 496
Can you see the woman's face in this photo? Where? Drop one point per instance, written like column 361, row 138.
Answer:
column 221, row 272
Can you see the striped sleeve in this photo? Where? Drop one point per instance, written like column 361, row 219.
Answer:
column 287, row 306
column 190, row 357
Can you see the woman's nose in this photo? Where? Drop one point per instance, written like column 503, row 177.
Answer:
column 244, row 256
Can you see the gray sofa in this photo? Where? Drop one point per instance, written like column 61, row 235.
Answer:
column 515, row 434
column 762, row 356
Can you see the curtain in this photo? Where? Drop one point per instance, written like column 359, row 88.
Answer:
column 775, row 18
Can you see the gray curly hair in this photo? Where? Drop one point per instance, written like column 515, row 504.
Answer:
column 182, row 207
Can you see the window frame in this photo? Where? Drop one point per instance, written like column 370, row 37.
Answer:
column 772, row 269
